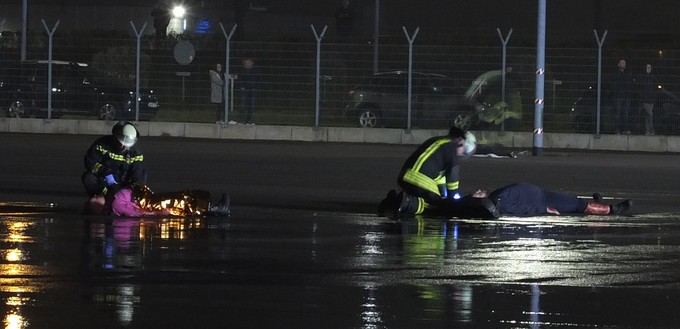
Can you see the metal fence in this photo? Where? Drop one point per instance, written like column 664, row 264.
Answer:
column 288, row 80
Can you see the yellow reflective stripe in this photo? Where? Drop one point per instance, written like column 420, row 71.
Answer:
column 120, row 157
column 102, row 149
column 422, row 205
column 428, row 152
column 137, row 158
column 96, row 168
column 452, row 185
column 420, row 180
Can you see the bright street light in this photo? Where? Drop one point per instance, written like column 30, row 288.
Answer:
column 178, row 11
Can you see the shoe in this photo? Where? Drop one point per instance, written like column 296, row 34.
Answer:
column 250, row 124
column 404, row 204
column 597, row 197
column 627, row 132
column 621, row 207
column 221, row 208
column 388, row 204
column 232, row 122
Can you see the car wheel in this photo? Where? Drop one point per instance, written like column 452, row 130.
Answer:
column 16, row 110
column 368, row 118
column 107, row 112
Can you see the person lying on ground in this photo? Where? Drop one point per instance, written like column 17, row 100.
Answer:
column 139, row 200
column 529, row 199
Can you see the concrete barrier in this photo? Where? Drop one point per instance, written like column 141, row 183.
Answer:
column 511, row 139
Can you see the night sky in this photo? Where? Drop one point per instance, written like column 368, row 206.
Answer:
column 565, row 18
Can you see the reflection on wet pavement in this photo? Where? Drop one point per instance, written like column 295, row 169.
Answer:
column 274, row 268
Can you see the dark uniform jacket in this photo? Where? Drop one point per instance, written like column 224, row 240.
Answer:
column 434, row 163
column 104, row 157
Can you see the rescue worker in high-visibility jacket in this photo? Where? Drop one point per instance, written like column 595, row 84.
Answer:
column 114, row 161
column 431, row 175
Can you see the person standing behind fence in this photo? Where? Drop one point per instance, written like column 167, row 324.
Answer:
column 249, row 84
column 622, row 84
column 161, row 18
column 648, row 92
column 217, row 90
column 344, row 19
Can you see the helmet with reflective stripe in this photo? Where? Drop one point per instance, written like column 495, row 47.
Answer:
column 126, row 135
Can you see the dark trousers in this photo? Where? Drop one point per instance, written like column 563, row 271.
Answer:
column 248, row 103
column 93, row 184
column 219, row 111
column 622, row 110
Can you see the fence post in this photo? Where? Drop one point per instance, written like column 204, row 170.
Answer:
column 318, row 69
column 504, row 41
column 600, row 42
column 50, row 33
column 410, row 72
column 376, row 36
column 137, row 66
column 227, row 75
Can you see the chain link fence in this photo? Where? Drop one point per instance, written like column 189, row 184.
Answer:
column 448, row 82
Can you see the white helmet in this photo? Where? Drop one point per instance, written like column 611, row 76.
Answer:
column 126, row 135
column 470, row 143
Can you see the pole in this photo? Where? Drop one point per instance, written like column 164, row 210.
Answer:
column 318, row 69
column 376, row 36
column 410, row 72
column 137, row 66
column 600, row 42
column 540, row 80
column 24, row 28
column 504, row 41
column 49, row 67
column 227, row 75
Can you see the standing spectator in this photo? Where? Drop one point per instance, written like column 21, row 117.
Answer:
column 217, row 90
column 648, row 85
column 161, row 18
column 344, row 19
column 622, row 84
column 249, row 81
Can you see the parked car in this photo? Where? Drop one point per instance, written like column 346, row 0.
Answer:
column 383, row 101
column 76, row 89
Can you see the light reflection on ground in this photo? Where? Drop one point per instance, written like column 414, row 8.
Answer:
column 351, row 270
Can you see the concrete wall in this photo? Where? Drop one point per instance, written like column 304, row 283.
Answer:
column 347, row 135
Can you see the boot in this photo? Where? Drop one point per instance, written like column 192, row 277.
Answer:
column 388, row 204
column 405, row 206
column 621, row 207
column 596, row 208
column 221, row 208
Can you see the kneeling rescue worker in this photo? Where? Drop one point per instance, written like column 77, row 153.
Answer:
column 114, row 160
column 430, row 176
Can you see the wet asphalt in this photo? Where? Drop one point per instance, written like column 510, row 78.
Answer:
column 303, row 247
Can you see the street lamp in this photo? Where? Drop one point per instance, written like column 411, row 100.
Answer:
column 178, row 14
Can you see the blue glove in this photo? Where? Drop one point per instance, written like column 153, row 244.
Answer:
column 110, row 180
column 442, row 191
